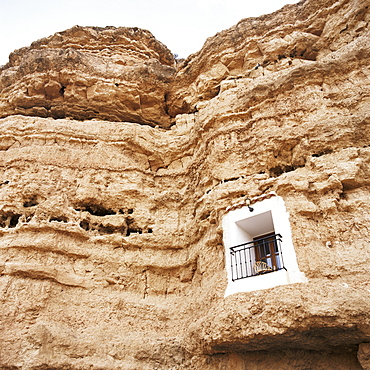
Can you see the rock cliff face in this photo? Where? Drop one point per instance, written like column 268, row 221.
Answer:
column 85, row 73
column 118, row 163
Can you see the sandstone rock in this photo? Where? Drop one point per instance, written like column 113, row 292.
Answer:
column 111, row 240
column 116, row 74
column 364, row 355
column 297, row 34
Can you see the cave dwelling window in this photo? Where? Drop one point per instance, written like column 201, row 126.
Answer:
column 259, row 251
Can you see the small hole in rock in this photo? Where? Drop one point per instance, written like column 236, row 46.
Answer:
column 85, row 225
column 106, row 229
column 134, row 231
column 97, row 210
column 205, row 215
column 59, row 219
column 343, row 196
column 3, row 221
column 30, row 203
column 14, row 220
column 279, row 170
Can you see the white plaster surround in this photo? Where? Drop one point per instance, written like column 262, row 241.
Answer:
column 241, row 226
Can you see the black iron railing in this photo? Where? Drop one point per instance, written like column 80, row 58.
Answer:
column 260, row 256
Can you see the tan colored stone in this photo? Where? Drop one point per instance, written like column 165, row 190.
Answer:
column 364, row 355
column 111, row 248
column 78, row 74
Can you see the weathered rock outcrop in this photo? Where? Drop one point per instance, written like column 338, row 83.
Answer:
column 111, row 251
column 115, row 74
column 282, row 45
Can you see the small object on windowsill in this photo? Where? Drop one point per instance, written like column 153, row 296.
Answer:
column 261, row 267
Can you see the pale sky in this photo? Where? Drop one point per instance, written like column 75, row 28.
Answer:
column 182, row 25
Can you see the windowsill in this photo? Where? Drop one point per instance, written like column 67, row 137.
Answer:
column 265, row 281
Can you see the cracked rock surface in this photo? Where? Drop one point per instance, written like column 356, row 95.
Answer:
column 117, row 164
column 114, row 74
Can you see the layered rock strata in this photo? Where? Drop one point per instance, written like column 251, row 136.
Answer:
column 89, row 72
column 111, row 251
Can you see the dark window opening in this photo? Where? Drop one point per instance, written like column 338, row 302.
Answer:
column 267, row 251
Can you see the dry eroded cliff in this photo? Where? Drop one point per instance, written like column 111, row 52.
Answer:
column 117, row 165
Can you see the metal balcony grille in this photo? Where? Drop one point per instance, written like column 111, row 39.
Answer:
column 260, row 256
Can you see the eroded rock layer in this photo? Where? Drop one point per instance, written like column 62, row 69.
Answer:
column 111, row 251
column 115, row 74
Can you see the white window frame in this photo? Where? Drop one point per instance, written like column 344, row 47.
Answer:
column 240, row 225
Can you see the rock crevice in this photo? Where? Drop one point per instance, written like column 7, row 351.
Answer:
column 118, row 163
